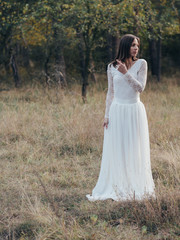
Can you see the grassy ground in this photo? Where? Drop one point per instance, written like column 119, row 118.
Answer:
column 50, row 155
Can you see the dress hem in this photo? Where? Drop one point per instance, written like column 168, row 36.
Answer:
column 120, row 199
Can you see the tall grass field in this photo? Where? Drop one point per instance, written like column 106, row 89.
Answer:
column 50, row 155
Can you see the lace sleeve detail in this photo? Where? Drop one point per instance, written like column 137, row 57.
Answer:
column 138, row 84
column 110, row 92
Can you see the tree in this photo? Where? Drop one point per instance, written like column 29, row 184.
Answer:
column 162, row 20
column 10, row 13
column 42, row 25
column 84, row 16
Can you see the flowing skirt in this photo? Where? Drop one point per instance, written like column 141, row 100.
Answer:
column 125, row 172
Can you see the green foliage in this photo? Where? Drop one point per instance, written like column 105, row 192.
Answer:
column 53, row 26
column 40, row 21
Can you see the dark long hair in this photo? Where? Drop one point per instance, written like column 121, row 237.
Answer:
column 124, row 48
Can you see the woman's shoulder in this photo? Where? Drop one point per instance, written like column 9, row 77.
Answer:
column 142, row 63
column 142, row 60
column 110, row 66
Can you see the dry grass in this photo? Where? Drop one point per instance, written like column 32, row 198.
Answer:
column 50, row 154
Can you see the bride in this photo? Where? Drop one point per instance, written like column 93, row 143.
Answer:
column 125, row 172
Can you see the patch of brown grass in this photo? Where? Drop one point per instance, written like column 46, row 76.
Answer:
column 50, row 154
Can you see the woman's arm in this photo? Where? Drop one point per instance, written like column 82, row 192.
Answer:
column 139, row 83
column 110, row 92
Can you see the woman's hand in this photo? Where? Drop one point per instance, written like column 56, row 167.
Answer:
column 106, row 121
column 121, row 67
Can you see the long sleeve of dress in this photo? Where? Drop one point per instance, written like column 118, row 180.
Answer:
column 139, row 83
column 110, row 92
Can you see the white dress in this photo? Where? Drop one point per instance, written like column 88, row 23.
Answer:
column 125, row 172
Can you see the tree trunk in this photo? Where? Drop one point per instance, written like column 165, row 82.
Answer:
column 84, row 64
column 85, row 82
column 15, row 69
column 6, row 61
column 153, row 56
column 5, row 50
column 136, row 24
column 92, row 71
column 60, row 66
column 46, row 70
column 46, row 67
column 60, row 69
column 159, row 59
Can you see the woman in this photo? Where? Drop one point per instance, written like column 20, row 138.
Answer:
column 125, row 172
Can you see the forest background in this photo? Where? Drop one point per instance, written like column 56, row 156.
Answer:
column 53, row 84
column 66, row 41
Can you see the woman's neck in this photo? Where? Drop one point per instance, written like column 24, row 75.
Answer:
column 128, row 62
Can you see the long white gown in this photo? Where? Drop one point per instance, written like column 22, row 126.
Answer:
column 125, row 172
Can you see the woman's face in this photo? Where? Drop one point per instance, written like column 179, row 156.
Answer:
column 134, row 48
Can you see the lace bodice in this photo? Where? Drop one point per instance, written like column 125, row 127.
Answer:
column 125, row 86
